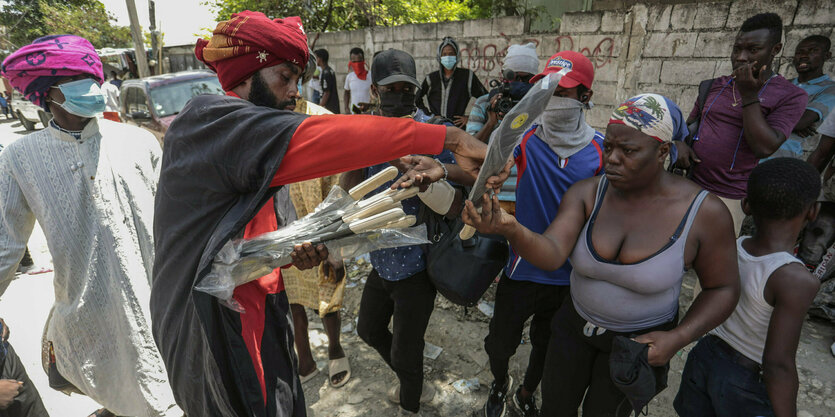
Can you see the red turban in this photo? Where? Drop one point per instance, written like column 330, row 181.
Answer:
column 250, row 41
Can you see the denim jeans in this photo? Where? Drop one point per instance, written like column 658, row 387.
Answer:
column 714, row 385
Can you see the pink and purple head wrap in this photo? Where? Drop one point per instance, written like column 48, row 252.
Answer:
column 34, row 68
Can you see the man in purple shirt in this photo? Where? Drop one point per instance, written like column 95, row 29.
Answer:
column 746, row 116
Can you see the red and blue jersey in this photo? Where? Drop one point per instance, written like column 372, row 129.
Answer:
column 543, row 178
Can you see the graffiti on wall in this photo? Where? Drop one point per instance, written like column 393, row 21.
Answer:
column 487, row 60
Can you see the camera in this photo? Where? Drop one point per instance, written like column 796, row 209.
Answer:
column 511, row 91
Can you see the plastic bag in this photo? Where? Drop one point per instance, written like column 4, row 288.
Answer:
column 245, row 260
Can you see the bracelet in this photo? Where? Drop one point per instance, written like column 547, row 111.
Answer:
column 446, row 173
column 757, row 101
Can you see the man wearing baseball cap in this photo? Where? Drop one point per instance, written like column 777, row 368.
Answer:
column 559, row 150
column 398, row 289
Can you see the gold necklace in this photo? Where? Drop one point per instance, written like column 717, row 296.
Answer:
column 733, row 93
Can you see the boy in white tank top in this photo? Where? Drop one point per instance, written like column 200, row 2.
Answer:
column 746, row 366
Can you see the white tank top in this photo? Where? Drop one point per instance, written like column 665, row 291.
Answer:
column 746, row 329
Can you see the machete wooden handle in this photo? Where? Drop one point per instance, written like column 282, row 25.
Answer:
column 372, row 183
column 378, row 206
column 401, row 223
column 403, row 194
column 376, row 221
column 374, row 198
column 466, row 232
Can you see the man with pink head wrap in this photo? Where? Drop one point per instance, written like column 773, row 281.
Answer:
column 90, row 184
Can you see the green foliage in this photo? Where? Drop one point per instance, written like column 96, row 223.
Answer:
column 27, row 20
column 148, row 38
column 331, row 15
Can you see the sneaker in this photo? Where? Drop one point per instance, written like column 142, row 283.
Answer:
column 426, row 395
column 527, row 408
column 496, row 405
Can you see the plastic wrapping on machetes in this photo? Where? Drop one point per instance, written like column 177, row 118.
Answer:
column 507, row 135
column 245, row 260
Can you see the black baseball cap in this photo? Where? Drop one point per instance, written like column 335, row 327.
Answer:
column 393, row 65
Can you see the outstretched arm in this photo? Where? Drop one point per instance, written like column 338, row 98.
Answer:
column 327, row 145
column 790, row 289
column 547, row 251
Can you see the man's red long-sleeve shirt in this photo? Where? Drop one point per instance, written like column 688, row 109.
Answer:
column 322, row 146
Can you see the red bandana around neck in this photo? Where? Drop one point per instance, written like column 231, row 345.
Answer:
column 359, row 69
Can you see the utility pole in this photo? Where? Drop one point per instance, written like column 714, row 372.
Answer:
column 138, row 42
column 154, row 35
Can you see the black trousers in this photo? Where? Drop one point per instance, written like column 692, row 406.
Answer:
column 28, row 402
column 577, row 366
column 408, row 304
column 516, row 302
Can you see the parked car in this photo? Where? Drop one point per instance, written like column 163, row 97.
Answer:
column 153, row 102
column 28, row 113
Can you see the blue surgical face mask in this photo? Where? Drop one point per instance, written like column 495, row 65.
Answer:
column 449, row 61
column 82, row 98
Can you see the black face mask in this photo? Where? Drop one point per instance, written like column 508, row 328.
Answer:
column 397, row 104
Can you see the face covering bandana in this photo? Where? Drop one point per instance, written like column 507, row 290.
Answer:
column 359, row 69
column 449, row 62
column 82, row 98
column 397, row 104
column 518, row 89
column 564, row 126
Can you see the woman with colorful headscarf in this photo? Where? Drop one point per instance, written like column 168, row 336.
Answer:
column 631, row 234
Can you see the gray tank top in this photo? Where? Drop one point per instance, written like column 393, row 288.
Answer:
column 629, row 297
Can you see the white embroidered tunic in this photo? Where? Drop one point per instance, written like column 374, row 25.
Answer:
column 94, row 199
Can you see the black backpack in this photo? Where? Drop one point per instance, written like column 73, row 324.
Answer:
column 693, row 128
column 461, row 270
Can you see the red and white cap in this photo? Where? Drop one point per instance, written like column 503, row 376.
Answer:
column 582, row 70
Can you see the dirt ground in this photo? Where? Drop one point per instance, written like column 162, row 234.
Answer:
column 460, row 333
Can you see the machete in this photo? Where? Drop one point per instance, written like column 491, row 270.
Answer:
column 507, row 135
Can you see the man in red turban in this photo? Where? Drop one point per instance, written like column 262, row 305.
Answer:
column 224, row 159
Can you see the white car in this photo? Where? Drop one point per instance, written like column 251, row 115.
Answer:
column 28, row 113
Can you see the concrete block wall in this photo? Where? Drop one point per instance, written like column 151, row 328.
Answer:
column 687, row 43
column 653, row 47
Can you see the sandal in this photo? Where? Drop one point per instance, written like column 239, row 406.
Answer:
column 336, row 367
column 308, row 377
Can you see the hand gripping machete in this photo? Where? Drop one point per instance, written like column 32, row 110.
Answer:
column 504, row 139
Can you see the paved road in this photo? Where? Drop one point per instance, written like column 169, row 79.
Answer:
column 25, row 306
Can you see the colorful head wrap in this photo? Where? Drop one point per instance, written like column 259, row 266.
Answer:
column 249, row 41
column 652, row 114
column 34, row 68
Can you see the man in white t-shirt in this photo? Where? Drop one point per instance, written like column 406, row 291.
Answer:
column 357, row 83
